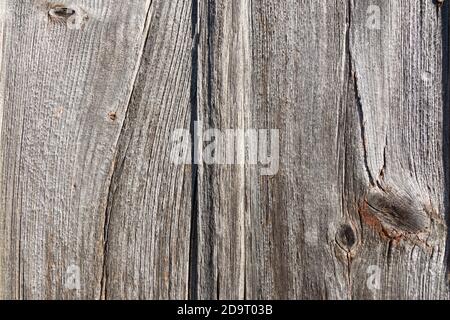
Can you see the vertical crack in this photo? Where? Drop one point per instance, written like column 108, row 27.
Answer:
column 218, row 284
column 103, row 289
column 363, row 130
column 444, row 15
column 353, row 75
column 193, row 244
column 355, row 87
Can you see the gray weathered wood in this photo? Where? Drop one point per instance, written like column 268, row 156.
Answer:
column 61, row 87
column 398, row 77
column 361, row 186
column 266, row 237
column 149, row 208
column 90, row 100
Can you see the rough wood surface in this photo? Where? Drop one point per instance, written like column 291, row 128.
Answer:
column 58, row 142
column 149, row 207
column 92, row 91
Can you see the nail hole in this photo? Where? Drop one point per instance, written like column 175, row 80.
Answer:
column 113, row 116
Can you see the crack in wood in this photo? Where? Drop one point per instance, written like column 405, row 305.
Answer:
column 353, row 74
column 193, row 241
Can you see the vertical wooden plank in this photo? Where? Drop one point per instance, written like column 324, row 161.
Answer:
column 274, row 65
column 224, row 102
column 398, row 70
column 361, row 187
column 67, row 78
column 300, row 71
column 149, row 207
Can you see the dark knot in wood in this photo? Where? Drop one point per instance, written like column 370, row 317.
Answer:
column 62, row 12
column 395, row 212
column 346, row 237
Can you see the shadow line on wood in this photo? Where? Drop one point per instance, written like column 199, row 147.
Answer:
column 444, row 11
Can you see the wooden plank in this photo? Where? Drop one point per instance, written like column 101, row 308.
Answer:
column 95, row 96
column 357, row 208
column 274, row 65
column 149, row 208
column 223, row 103
column 67, row 79
column 299, row 75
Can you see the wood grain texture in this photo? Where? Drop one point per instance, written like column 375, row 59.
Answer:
column 224, row 103
column 92, row 91
column 399, row 84
column 149, row 207
column 264, row 60
column 59, row 141
column 361, row 187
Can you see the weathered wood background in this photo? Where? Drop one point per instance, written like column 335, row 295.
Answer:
column 90, row 97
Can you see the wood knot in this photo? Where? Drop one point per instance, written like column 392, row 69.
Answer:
column 61, row 12
column 73, row 16
column 346, row 237
column 395, row 213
